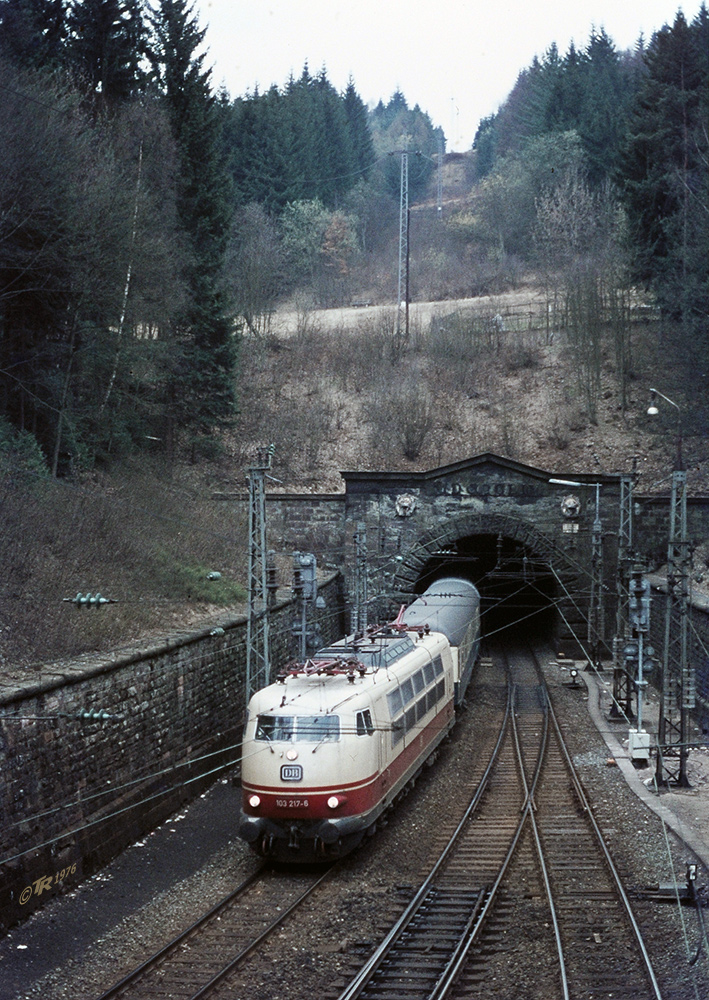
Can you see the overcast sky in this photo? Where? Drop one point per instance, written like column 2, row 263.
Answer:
column 457, row 59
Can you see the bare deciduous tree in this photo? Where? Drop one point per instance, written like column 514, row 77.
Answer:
column 578, row 239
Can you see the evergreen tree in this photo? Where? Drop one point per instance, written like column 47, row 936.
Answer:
column 360, row 135
column 484, row 145
column 74, row 223
column 396, row 127
column 304, row 142
column 585, row 92
column 336, row 164
column 602, row 123
column 32, row 32
column 569, row 94
column 664, row 174
column 107, row 43
column 202, row 389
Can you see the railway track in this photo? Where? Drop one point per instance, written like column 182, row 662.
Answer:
column 194, row 964
column 526, row 853
column 209, row 957
column 529, row 814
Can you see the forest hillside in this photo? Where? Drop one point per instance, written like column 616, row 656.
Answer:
column 187, row 275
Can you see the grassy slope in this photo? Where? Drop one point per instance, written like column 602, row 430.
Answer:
column 330, row 398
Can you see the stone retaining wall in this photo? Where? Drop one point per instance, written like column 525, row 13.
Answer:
column 99, row 753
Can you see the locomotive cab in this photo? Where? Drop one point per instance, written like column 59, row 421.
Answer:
column 309, row 769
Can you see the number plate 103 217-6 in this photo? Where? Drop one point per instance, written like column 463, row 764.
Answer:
column 291, row 803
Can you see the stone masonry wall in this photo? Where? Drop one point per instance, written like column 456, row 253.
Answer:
column 76, row 788
column 304, row 522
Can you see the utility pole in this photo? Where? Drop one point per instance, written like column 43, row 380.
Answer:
column 635, row 652
column 403, row 286
column 440, row 176
column 596, row 616
column 359, row 607
column 678, row 695
column 622, row 682
column 258, row 663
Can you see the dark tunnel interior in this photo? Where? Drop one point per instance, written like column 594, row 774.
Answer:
column 517, row 589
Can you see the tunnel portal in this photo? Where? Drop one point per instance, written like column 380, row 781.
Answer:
column 524, row 536
column 519, row 593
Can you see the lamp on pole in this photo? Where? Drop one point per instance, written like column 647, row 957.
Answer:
column 653, row 411
column 677, row 694
column 596, row 617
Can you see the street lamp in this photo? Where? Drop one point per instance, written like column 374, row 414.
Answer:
column 652, row 411
column 673, row 732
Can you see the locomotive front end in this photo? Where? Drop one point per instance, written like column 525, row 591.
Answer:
column 308, row 770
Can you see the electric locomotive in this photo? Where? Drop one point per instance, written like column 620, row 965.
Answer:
column 334, row 741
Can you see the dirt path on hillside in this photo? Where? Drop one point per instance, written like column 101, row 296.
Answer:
column 524, row 301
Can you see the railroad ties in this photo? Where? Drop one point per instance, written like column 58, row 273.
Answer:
column 526, row 891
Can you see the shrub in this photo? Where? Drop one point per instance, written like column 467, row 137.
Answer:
column 402, row 416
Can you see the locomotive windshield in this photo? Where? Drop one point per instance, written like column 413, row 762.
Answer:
column 298, row 728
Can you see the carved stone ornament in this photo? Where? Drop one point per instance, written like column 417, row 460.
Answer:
column 571, row 506
column 405, row 505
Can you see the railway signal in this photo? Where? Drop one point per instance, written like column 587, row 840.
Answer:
column 634, row 653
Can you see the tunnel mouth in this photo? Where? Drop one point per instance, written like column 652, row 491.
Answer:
column 518, row 590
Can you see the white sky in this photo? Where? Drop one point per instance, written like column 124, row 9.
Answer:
column 457, row 59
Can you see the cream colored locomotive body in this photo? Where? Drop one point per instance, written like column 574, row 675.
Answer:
column 329, row 747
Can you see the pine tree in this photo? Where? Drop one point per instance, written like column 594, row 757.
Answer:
column 333, row 144
column 360, row 135
column 603, row 110
column 664, row 173
column 203, row 385
column 106, row 46
column 33, row 32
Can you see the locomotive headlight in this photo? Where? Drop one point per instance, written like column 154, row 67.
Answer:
column 292, row 754
column 254, row 801
column 336, row 800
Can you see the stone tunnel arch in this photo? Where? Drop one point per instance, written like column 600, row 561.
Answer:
column 443, row 549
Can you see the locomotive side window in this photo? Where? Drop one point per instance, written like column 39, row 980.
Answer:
column 394, row 701
column 397, row 731
column 365, row 726
column 413, row 699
